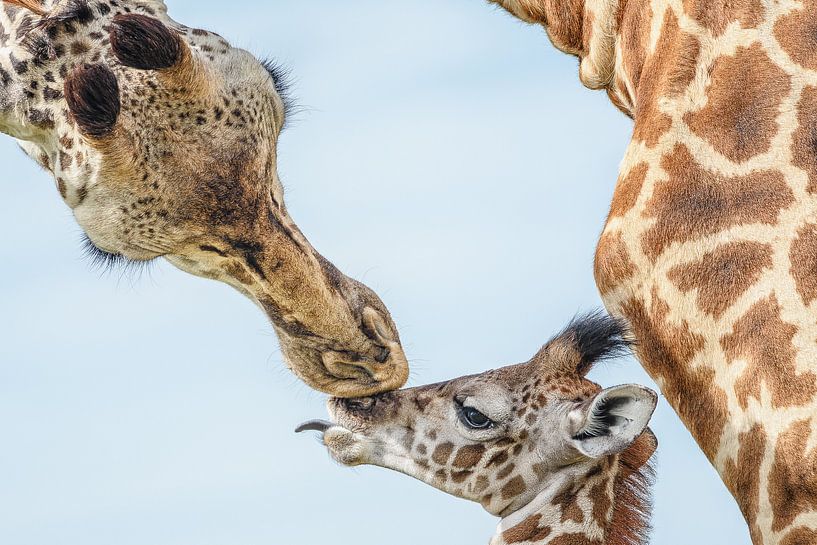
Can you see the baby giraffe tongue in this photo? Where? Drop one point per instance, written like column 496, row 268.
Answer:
column 314, row 425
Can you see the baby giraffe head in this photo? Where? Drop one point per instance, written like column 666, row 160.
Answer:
column 560, row 459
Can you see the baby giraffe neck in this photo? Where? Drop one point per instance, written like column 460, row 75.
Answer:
column 603, row 503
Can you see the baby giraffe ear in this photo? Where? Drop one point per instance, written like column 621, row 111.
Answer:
column 612, row 420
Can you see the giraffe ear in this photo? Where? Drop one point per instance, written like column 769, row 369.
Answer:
column 611, row 421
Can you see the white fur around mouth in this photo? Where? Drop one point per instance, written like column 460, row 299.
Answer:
column 345, row 446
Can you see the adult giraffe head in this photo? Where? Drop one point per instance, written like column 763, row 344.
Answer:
column 162, row 140
column 560, row 459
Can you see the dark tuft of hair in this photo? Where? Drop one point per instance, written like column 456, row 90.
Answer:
column 92, row 93
column 144, row 43
column 597, row 337
column 107, row 262
column 282, row 79
column 100, row 259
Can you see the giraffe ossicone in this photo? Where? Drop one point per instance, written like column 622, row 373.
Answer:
column 162, row 140
column 558, row 458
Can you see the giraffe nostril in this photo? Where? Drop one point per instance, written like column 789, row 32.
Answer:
column 383, row 354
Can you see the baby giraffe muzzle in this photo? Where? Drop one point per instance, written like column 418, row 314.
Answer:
column 561, row 460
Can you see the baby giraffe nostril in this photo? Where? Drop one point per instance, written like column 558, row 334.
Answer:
column 360, row 404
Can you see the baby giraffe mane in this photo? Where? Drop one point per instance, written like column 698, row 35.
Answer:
column 630, row 524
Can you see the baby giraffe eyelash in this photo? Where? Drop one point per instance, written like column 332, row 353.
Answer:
column 472, row 418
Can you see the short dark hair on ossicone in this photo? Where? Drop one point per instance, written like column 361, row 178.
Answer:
column 593, row 337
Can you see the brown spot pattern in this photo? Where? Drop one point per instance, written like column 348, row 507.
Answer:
column 800, row 536
column 667, row 73
column 666, row 350
column 601, row 503
column 527, row 530
column 634, row 38
column 469, row 456
column 743, row 101
column 742, row 476
column 723, row 275
column 513, row 488
column 505, row 471
column 716, row 15
column 569, row 507
column 804, row 141
column 764, row 341
column 612, row 264
column 695, row 202
column 793, row 479
column 628, row 189
column 797, row 34
column 803, row 258
column 442, row 453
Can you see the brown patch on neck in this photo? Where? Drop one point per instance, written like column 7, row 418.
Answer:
column 723, row 275
column 666, row 350
column 742, row 475
column 635, row 21
column 668, row 72
column 796, row 34
column 694, row 202
column 743, row 102
column 569, row 506
column 800, row 536
column 804, row 143
column 792, row 481
column 612, row 265
column 764, row 341
column 716, row 16
column 803, row 257
column 527, row 531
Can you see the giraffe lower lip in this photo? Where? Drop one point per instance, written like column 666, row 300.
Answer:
column 314, row 425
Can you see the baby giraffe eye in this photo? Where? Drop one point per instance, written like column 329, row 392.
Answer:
column 474, row 419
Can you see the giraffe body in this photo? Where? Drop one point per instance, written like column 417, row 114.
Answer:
column 562, row 461
column 162, row 140
column 710, row 248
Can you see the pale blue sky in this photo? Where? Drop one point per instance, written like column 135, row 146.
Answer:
column 449, row 157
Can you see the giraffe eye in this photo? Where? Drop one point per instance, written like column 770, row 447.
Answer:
column 474, row 419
